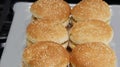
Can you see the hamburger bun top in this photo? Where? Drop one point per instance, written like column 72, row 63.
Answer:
column 91, row 9
column 45, row 30
column 56, row 10
column 91, row 31
column 95, row 54
column 45, row 54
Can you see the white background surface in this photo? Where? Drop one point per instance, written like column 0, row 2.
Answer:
column 12, row 55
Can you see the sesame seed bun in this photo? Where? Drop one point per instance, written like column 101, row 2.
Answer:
column 94, row 54
column 45, row 54
column 91, row 31
column 91, row 9
column 46, row 30
column 56, row 10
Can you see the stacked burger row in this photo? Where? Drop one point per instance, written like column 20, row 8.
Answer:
column 55, row 27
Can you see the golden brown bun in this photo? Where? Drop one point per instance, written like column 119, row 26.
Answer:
column 56, row 10
column 91, row 31
column 45, row 54
column 91, row 9
column 94, row 54
column 45, row 30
